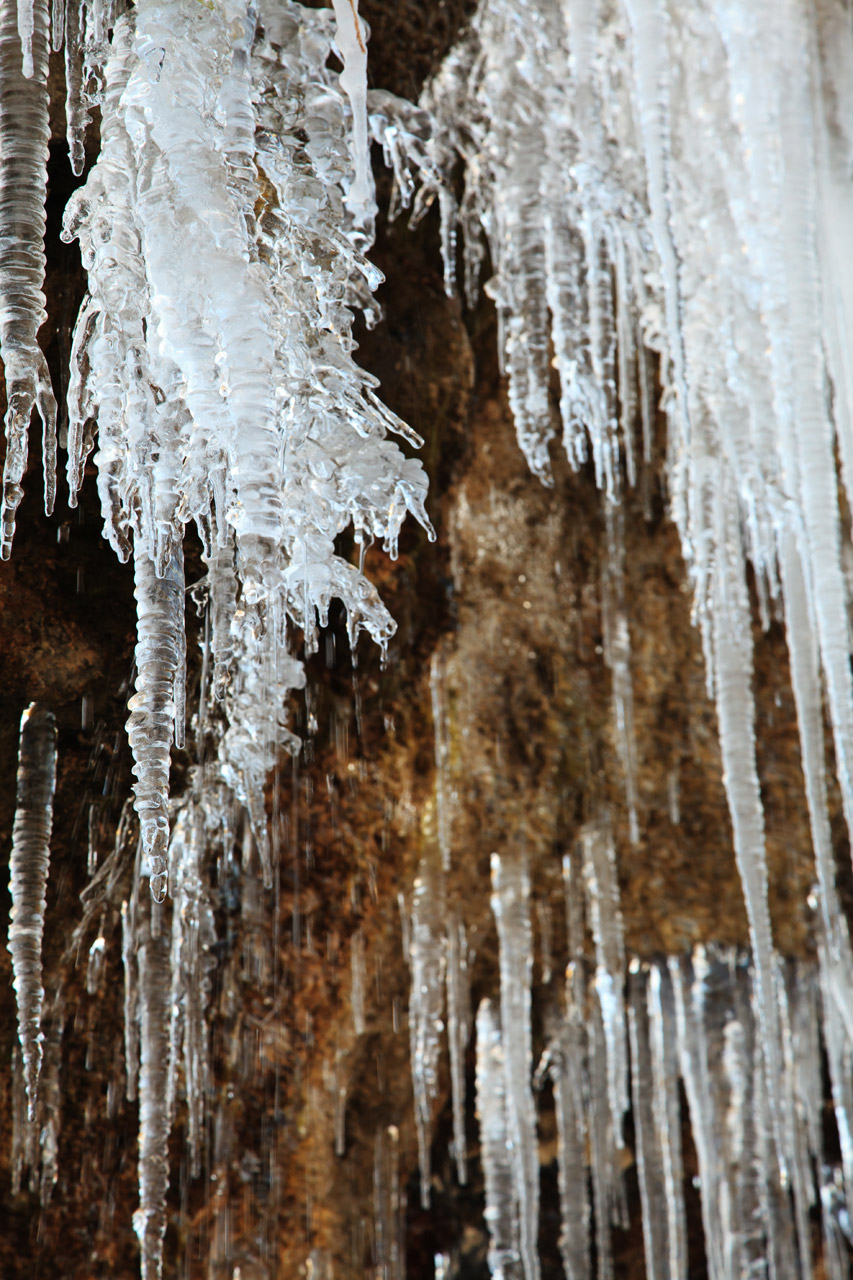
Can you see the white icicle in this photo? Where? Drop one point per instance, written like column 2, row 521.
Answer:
column 28, row 869
column 501, row 1213
column 605, row 918
column 426, row 1006
column 666, row 1115
column 150, row 729
column 24, row 135
column 458, row 1034
column 657, row 1139
column 511, row 907
column 732, row 632
column 351, row 39
column 565, row 1059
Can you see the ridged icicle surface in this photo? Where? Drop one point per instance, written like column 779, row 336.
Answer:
column 28, row 880
column 24, row 134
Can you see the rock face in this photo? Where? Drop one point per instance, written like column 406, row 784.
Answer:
column 490, row 731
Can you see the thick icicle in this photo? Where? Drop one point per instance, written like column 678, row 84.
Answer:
column 24, row 135
column 28, row 868
column 151, row 727
column 511, row 907
column 501, row 1212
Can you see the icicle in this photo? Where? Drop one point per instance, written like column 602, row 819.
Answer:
column 605, row 917
column 511, row 908
column 608, row 1191
column 617, row 655
column 736, row 715
column 150, row 729
column 357, row 993
column 458, row 1034
column 149, row 1220
column 445, row 796
column 565, row 1060
column 351, row 39
column 131, row 994
column 665, row 1114
column 665, row 1258
column 389, row 1251
column 650, row 24
column 501, row 1212
column 193, row 935
column 28, row 869
column 426, row 1005
column 24, row 135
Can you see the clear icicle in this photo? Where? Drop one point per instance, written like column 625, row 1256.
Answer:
column 652, row 1131
column 28, row 869
column 445, row 796
column 24, row 135
column 564, row 1059
column 666, row 1118
column 501, row 1212
column 511, row 908
column 193, row 936
column 351, row 39
column 426, row 1005
column 605, row 917
column 151, row 727
column 357, row 987
column 149, row 1220
column 458, row 1033
column 617, row 655
column 732, row 638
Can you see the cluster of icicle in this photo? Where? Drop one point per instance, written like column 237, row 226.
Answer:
column 626, row 1036
column 658, row 178
column 222, row 230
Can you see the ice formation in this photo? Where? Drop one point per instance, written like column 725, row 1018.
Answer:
column 664, row 192
column 656, row 179
column 223, row 382
column 223, row 230
column 24, row 134
column 28, row 867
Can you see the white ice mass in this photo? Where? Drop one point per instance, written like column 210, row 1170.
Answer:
column 665, row 194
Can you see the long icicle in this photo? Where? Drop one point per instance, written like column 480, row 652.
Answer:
column 150, row 729
column 24, row 135
column 28, row 881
